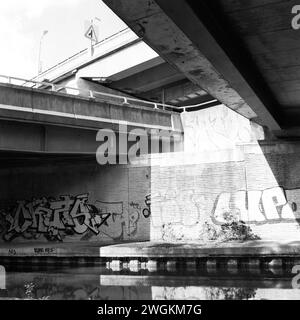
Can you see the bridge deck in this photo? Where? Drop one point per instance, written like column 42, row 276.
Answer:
column 47, row 107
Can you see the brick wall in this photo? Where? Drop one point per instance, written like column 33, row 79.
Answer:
column 224, row 169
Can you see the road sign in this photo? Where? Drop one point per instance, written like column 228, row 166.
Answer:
column 91, row 33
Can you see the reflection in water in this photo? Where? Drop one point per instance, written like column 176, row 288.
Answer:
column 102, row 284
column 2, row 278
column 202, row 293
column 230, row 293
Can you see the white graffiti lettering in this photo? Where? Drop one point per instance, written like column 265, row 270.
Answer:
column 258, row 207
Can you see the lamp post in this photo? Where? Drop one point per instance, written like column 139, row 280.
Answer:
column 40, row 65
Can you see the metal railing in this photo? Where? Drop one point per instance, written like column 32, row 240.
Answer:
column 81, row 53
column 95, row 94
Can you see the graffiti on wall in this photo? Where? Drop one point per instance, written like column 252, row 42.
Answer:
column 257, row 207
column 66, row 216
column 215, row 128
column 136, row 211
column 272, row 205
column 180, row 208
column 55, row 219
column 114, row 223
column 147, row 210
column 180, row 215
column 52, row 217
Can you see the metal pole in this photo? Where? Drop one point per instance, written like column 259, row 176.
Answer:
column 92, row 49
column 40, row 66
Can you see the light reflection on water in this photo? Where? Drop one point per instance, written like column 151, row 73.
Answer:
column 98, row 283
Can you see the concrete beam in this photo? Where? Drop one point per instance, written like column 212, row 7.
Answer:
column 46, row 107
column 85, row 85
column 25, row 141
column 162, row 83
column 190, row 46
column 37, row 138
column 124, row 62
column 31, row 139
column 178, row 93
column 149, row 79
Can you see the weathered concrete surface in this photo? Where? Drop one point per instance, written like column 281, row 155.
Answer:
column 190, row 46
column 40, row 249
column 200, row 250
column 48, row 107
column 84, row 86
column 152, row 249
column 224, row 169
column 43, row 139
column 40, row 138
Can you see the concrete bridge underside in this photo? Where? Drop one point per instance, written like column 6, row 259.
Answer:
column 223, row 168
column 243, row 53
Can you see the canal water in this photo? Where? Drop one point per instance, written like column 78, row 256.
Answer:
column 99, row 283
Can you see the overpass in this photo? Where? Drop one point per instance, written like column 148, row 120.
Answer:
column 228, row 163
column 39, row 120
column 48, row 145
column 243, row 53
column 124, row 64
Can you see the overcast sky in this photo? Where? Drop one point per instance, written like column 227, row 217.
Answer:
column 22, row 24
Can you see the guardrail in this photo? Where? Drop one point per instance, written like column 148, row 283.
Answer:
column 95, row 94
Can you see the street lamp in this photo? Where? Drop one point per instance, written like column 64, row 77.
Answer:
column 40, row 66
